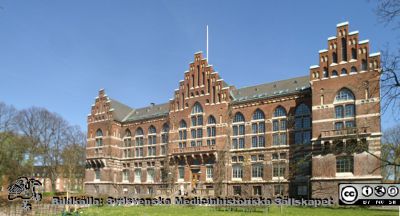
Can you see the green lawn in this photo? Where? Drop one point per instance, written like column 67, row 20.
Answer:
column 200, row 211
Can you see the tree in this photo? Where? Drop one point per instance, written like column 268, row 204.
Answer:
column 391, row 153
column 388, row 12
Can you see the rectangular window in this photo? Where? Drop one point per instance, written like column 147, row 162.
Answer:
column 339, row 111
column 257, row 171
column 254, row 142
column 209, row 172
column 193, row 132
column 261, row 127
column 261, row 141
column 278, row 190
column 279, row 170
column 275, row 139
column 344, row 164
column 237, row 190
column 350, row 124
column 234, row 143
column 283, row 125
column 235, row 130
column 349, row 110
column 241, row 129
column 338, row 125
column 163, row 150
column 199, row 133
column 237, row 172
column 150, row 175
column 275, row 125
column 257, row 190
column 283, row 138
column 125, row 175
column 138, row 175
column 241, row 143
column 97, row 174
column 307, row 137
column 181, row 173
column 254, row 128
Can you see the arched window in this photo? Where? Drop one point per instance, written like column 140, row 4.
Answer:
column 258, row 114
column 99, row 138
column 127, row 138
column 334, row 57
column 334, row 73
column 344, row 95
column 344, row 71
column 353, row 70
column 279, row 111
column 211, row 130
column 182, row 134
column 238, row 117
column 279, row 127
column 302, row 134
column 196, row 130
column 238, row 128
column 344, row 108
column 258, row 129
column 197, row 108
column 139, row 142
column 151, row 135
column 364, row 65
column 197, row 115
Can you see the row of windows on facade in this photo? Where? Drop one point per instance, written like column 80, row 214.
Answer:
column 343, row 72
column 257, row 190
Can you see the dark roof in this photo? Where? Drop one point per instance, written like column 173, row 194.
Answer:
column 273, row 89
column 120, row 110
column 152, row 111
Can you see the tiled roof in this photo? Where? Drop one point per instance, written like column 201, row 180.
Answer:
column 273, row 89
column 148, row 112
column 120, row 110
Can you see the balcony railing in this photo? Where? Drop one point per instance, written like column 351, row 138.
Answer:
column 194, row 149
column 95, row 153
column 345, row 132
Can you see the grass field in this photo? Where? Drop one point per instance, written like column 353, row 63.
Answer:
column 200, row 211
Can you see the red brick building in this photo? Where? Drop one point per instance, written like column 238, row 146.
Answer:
column 295, row 137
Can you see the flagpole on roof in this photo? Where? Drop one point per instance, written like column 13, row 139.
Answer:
column 207, row 45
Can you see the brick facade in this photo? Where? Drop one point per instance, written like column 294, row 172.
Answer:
column 296, row 137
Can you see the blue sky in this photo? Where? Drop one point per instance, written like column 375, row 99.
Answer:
column 58, row 54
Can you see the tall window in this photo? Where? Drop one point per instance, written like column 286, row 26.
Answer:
column 344, row 49
column 302, row 126
column 150, row 175
column 257, row 171
column 127, row 138
column 125, row 175
column 138, row 175
column 164, row 138
column 334, row 57
column 237, row 171
column 211, row 130
column 181, row 173
column 279, row 126
column 139, row 142
column 209, row 173
column 344, row 164
column 238, row 127
column 325, row 73
column 344, row 109
column 182, row 134
column 364, row 65
column 97, row 175
column 99, row 138
column 258, row 129
column 354, row 53
column 279, row 170
column 152, row 135
column 197, row 123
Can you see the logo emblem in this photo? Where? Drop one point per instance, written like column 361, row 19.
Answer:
column 393, row 191
column 26, row 189
column 380, row 190
column 349, row 194
column 367, row 191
